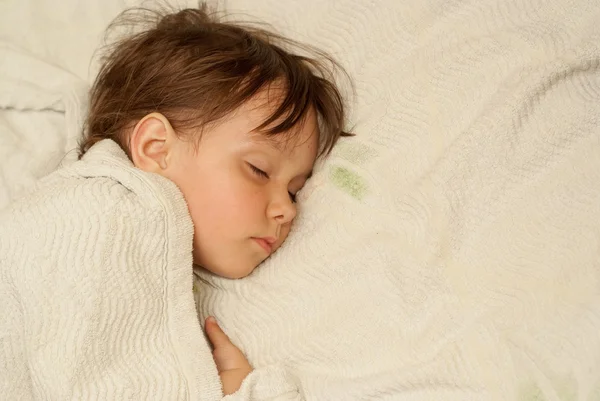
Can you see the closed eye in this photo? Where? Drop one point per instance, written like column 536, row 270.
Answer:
column 258, row 171
column 263, row 174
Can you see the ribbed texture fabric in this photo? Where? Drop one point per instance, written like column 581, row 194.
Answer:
column 96, row 289
column 451, row 250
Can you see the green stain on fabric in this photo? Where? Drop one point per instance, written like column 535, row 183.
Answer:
column 595, row 394
column 531, row 392
column 566, row 389
column 348, row 181
column 355, row 153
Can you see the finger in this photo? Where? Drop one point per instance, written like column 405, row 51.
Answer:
column 216, row 336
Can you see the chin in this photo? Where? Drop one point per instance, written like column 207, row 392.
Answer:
column 223, row 271
column 234, row 274
column 231, row 269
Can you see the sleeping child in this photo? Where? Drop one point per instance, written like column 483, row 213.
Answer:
column 199, row 136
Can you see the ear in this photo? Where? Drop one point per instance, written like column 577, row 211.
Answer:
column 151, row 143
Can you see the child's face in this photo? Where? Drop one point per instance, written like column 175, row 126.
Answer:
column 241, row 215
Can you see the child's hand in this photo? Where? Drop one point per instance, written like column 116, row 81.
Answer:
column 232, row 365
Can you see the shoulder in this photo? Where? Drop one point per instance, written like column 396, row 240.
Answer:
column 103, row 188
column 62, row 202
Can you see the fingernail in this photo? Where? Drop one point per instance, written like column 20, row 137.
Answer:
column 211, row 320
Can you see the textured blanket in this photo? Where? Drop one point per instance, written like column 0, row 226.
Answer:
column 451, row 251
column 96, row 289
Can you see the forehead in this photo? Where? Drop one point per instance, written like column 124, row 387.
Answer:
column 304, row 136
column 261, row 107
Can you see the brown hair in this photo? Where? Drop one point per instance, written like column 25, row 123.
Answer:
column 195, row 70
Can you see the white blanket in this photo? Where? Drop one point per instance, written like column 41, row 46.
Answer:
column 96, row 289
column 451, row 250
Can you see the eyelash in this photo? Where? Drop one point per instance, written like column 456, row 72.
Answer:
column 258, row 171
column 262, row 174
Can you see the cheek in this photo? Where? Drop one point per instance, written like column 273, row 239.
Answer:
column 222, row 204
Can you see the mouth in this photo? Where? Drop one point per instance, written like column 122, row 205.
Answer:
column 266, row 243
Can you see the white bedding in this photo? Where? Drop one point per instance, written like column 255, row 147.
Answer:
column 452, row 249
column 94, row 320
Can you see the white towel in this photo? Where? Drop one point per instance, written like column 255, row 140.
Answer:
column 96, row 289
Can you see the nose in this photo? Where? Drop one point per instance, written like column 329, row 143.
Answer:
column 281, row 208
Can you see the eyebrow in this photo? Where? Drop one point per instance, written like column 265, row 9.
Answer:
column 261, row 138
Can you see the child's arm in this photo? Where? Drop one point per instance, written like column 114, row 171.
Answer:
column 240, row 382
column 232, row 365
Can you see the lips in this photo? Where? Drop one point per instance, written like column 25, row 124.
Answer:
column 266, row 243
